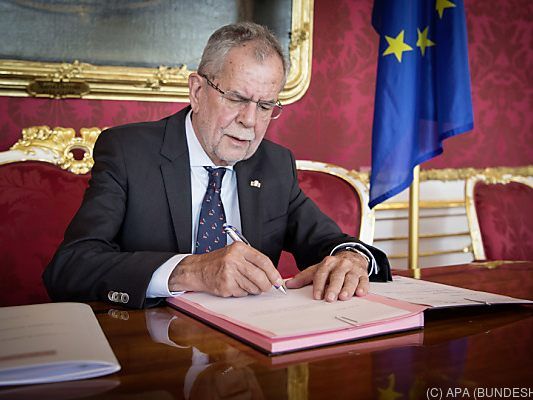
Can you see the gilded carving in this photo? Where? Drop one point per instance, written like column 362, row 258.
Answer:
column 57, row 146
column 299, row 36
column 164, row 83
column 459, row 174
column 166, row 75
column 454, row 174
column 66, row 71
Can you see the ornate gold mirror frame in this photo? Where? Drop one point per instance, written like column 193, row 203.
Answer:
column 88, row 81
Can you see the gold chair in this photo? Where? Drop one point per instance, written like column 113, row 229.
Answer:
column 499, row 216
column 340, row 194
column 42, row 181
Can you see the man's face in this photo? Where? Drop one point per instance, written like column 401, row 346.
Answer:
column 230, row 133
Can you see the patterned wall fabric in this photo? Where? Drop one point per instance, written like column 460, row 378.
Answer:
column 506, row 225
column 333, row 121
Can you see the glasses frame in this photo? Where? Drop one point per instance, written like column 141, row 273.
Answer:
column 245, row 101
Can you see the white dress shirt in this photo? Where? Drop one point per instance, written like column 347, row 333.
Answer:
column 158, row 286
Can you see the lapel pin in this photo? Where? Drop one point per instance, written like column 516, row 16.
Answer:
column 255, row 183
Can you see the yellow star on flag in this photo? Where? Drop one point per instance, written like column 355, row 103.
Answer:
column 389, row 393
column 440, row 5
column 396, row 46
column 423, row 40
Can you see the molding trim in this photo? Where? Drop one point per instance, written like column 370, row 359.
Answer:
column 423, row 236
column 456, row 174
column 164, row 83
column 466, row 249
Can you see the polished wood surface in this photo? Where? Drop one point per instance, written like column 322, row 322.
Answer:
column 467, row 349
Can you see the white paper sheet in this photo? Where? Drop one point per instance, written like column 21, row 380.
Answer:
column 51, row 343
column 437, row 295
column 296, row 313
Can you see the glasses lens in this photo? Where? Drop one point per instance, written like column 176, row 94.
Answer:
column 235, row 101
column 265, row 109
column 276, row 112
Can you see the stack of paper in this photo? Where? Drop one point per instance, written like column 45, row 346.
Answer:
column 277, row 323
column 52, row 342
column 437, row 295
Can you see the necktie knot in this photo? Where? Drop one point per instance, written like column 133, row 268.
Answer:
column 215, row 177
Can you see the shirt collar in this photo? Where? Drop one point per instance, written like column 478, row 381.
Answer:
column 197, row 155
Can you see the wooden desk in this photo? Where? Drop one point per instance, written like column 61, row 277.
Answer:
column 459, row 349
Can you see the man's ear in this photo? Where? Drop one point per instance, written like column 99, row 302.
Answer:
column 195, row 85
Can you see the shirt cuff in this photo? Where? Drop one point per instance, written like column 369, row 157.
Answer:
column 372, row 266
column 158, row 286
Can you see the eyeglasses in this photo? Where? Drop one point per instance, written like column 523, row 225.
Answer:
column 265, row 109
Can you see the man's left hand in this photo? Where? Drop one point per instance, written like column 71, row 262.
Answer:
column 338, row 277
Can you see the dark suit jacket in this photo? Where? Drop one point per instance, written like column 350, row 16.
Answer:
column 136, row 213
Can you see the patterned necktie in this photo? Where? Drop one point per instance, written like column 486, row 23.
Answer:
column 210, row 235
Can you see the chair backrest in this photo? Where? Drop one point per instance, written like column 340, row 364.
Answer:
column 340, row 194
column 500, row 221
column 42, row 181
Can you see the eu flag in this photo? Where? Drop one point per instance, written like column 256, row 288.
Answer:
column 422, row 89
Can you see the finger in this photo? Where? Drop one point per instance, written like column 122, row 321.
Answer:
column 363, row 287
column 253, row 280
column 351, row 281
column 239, row 292
column 260, row 261
column 302, row 278
column 321, row 278
column 336, row 282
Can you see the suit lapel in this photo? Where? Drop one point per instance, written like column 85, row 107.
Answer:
column 248, row 180
column 175, row 170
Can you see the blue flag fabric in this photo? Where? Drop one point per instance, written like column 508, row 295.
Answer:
column 422, row 89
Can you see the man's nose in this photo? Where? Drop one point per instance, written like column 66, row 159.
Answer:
column 248, row 115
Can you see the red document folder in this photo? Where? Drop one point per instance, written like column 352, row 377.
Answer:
column 297, row 320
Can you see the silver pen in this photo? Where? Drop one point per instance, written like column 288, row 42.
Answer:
column 234, row 233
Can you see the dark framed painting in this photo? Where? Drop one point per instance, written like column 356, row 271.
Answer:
column 134, row 49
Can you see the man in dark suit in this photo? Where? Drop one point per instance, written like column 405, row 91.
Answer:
column 150, row 223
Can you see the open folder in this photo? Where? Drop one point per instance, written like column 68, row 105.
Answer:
column 53, row 342
column 276, row 323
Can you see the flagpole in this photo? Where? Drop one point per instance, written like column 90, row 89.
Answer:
column 414, row 195
column 412, row 100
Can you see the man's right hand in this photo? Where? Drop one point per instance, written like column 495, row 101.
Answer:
column 235, row 270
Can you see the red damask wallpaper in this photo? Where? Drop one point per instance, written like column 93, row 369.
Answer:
column 333, row 121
